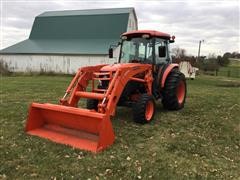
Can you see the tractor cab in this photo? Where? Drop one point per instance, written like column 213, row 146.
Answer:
column 147, row 47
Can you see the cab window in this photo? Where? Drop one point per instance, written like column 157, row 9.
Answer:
column 160, row 43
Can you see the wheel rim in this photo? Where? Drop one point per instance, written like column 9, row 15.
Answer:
column 181, row 92
column 149, row 111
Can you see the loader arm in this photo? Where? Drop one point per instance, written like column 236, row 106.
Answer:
column 118, row 81
column 122, row 77
column 79, row 83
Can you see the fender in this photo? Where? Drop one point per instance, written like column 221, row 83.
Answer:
column 165, row 71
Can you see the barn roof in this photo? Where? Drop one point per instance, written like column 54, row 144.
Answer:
column 74, row 32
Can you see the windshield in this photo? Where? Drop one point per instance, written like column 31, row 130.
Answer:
column 136, row 49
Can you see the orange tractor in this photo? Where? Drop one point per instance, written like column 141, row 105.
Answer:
column 143, row 75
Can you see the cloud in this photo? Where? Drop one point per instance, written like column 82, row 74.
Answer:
column 217, row 22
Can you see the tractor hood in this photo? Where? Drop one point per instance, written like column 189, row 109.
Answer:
column 115, row 67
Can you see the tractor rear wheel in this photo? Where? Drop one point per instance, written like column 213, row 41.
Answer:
column 144, row 109
column 174, row 92
column 92, row 104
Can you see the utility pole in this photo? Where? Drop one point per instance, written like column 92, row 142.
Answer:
column 199, row 48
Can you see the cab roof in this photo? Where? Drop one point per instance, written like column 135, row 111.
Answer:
column 152, row 33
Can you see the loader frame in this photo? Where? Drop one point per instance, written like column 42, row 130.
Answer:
column 82, row 128
column 117, row 81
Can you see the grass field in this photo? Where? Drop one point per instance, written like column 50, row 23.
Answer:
column 201, row 141
column 230, row 71
column 234, row 62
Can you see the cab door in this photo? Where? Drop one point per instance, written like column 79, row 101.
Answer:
column 161, row 52
column 161, row 59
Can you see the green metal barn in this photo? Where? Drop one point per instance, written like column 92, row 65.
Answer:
column 63, row 41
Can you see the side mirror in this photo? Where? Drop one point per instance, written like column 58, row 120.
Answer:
column 110, row 52
column 162, row 51
column 172, row 40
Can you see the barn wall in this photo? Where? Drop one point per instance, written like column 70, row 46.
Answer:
column 132, row 24
column 52, row 63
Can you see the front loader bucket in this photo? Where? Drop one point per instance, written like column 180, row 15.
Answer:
column 79, row 128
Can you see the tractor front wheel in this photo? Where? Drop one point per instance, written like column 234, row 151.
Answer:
column 174, row 92
column 144, row 109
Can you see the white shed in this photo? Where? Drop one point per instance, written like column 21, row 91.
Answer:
column 187, row 69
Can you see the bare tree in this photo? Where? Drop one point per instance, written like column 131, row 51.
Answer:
column 179, row 53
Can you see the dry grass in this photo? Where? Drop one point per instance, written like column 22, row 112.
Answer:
column 201, row 141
